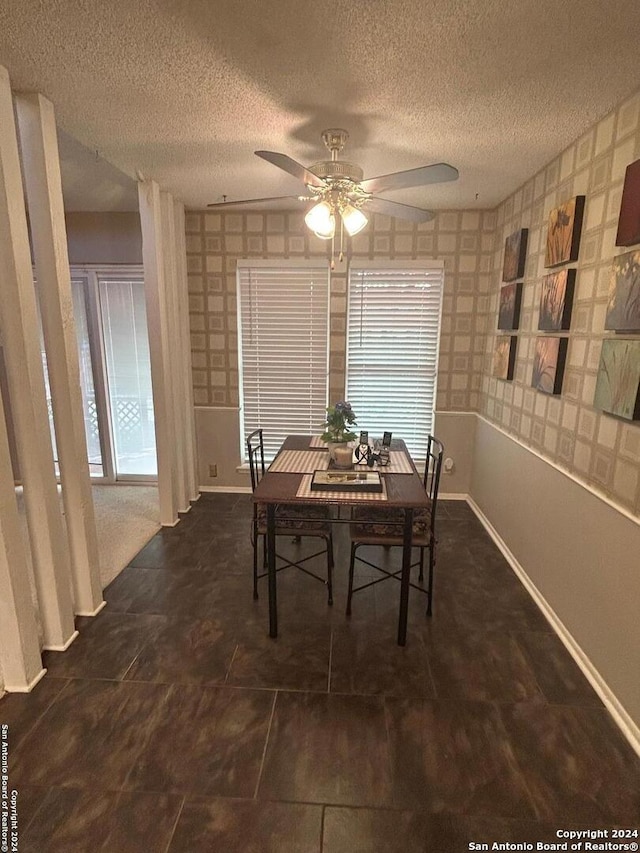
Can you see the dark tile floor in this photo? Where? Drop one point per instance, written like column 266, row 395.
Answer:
column 174, row 723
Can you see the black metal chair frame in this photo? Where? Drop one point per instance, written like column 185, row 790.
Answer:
column 255, row 452
column 431, row 482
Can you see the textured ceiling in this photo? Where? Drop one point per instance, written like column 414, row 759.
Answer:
column 183, row 91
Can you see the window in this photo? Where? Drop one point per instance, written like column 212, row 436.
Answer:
column 393, row 329
column 283, row 322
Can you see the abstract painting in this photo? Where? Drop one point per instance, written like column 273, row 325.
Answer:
column 515, row 253
column 556, row 300
column 548, row 364
column 509, row 308
column 629, row 219
column 504, row 356
column 563, row 234
column 623, row 307
column 618, row 382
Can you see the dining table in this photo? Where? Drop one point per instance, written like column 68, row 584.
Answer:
column 288, row 481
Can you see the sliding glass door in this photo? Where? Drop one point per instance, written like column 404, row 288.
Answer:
column 128, row 370
column 115, row 373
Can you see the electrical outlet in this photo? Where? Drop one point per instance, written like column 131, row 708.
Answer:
column 213, row 470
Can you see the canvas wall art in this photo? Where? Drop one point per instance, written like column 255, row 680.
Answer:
column 618, row 383
column 556, row 301
column 563, row 233
column 504, row 356
column 623, row 306
column 548, row 364
column 515, row 254
column 509, row 306
column 629, row 219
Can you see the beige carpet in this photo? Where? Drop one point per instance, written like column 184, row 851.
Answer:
column 126, row 518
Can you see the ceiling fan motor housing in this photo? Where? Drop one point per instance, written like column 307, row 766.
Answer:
column 337, row 170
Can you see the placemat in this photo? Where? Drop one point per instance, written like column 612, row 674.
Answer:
column 300, row 461
column 398, row 464
column 304, row 491
column 316, row 441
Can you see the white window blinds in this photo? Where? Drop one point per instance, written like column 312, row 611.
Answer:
column 393, row 329
column 283, row 320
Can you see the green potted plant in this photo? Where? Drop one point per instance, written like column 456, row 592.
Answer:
column 337, row 433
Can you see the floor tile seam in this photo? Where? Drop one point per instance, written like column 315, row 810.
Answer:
column 123, row 677
column 322, row 816
column 432, row 680
column 150, row 732
column 214, row 685
column 330, row 660
column 233, row 657
column 389, row 748
column 266, row 744
column 528, row 660
column 521, row 772
column 37, row 720
column 23, row 829
column 175, row 824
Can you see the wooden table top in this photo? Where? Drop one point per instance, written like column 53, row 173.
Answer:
column 403, row 490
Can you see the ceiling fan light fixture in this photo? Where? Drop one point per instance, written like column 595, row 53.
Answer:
column 354, row 219
column 321, row 221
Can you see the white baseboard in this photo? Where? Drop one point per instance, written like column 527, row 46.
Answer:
column 25, row 688
column 94, row 612
column 232, row 490
column 452, row 496
column 65, row 646
column 627, row 726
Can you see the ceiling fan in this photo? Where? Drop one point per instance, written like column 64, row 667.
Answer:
column 337, row 188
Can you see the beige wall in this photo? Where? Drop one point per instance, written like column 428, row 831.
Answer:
column 104, row 238
column 598, row 449
column 579, row 552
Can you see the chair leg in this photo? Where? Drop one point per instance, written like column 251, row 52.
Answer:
column 351, row 568
column 255, row 561
column 432, row 561
column 330, row 568
column 421, row 575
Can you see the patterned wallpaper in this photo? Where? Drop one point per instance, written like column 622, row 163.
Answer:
column 462, row 239
column 597, row 448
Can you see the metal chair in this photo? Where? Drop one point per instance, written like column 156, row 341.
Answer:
column 293, row 520
column 384, row 526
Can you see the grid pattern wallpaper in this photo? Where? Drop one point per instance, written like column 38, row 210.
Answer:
column 464, row 240
column 597, row 448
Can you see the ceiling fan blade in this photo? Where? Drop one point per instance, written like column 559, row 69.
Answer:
column 292, row 167
column 435, row 174
column 400, row 211
column 253, row 201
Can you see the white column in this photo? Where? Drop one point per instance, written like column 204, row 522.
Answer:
column 41, row 168
column 175, row 345
column 154, row 285
column 191, row 461
column 19, row 324
column 19, row 643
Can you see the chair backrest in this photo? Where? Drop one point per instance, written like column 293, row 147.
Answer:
column 432, row 471
column 255, row 452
